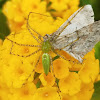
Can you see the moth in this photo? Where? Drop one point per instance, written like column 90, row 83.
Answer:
column 76, row 36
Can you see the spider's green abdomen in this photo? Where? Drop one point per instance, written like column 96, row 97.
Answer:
column 46, row 46
column 46, row 62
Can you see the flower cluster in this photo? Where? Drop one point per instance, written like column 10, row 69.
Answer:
column 22, row 78
column 17, row 11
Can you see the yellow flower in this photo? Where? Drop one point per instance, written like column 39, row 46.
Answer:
column 14, row 14
column 26, row 92
column 33, row 5
column 74, row 64
column 44, row 24
column 90, row 69
column 39, row 67
column 63, row 8
column 98, row 78
column 4, row 90
column 68, row 97
column 17, row 11
column 86, row 92
column 61, row 68
column 71, row 84
column 46, row 93
column 48, row 80
column 4, row 94
column 17, row 74
column 59, row 5
column 20, row 67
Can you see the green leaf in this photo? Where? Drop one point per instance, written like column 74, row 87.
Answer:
column 36, row 75
column 38, row 84
column 4, row 29
column 74, row 71
column 2, row 2
column 96, row 95
column 84, row 2
column 97, row 51
column 96, row 7
column 56, row 57
column 49, row 4
column 52, row 10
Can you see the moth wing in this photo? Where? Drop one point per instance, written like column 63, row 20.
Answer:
column 82, row 17
column 87, row 36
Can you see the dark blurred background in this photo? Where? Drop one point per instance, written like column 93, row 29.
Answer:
column 96, row 6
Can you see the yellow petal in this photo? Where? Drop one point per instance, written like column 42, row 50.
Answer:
column 48, row 80
column 46, row 93
column 90, row 69
column 71, row 84
column 61, row 68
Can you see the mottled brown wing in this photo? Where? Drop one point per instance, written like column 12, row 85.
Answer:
column 87, row 37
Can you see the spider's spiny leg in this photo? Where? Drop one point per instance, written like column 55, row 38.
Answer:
column 23, row 44
column 55, row 77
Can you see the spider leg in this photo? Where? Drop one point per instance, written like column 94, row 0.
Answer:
column 23, row 44
column 55, row 77
column 65, row 58
column 33, row 35
column 29, row 27
column 33, row 69
column 22, row 55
